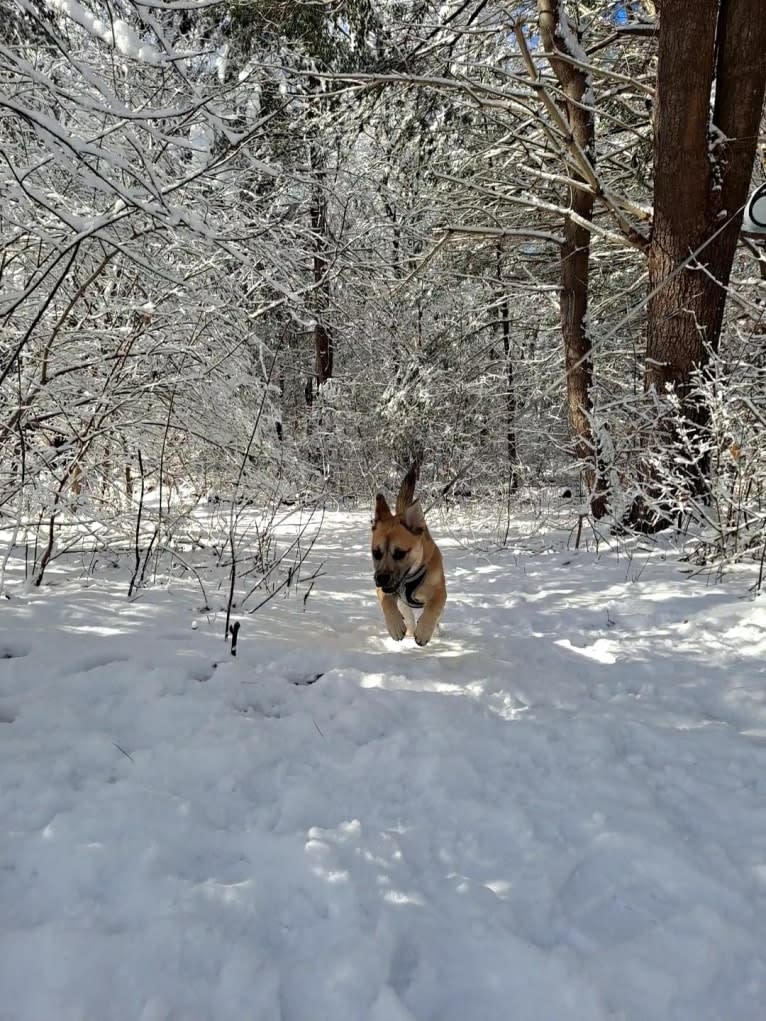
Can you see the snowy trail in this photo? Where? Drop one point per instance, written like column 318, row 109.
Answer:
column 554, row 811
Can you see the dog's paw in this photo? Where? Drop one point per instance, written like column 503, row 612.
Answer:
column 397, row 629
column 423, row 635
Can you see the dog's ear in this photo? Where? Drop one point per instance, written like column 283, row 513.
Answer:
column 382, row 510
column 406, row 495
column 413, row 518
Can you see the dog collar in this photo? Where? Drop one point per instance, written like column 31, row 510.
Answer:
column 407, row 588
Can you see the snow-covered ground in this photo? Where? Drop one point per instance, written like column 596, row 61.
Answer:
column 554, row 812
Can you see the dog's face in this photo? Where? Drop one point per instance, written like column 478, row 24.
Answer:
column 397, row 545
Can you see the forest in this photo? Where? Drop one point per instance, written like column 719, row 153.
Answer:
column 279, row 250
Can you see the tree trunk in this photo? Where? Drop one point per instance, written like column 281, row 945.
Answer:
column 556, row 34
column 680, row 296
column 511, row 442
column 701, row 177
column 739, row 99
column 323, row 341
column 702, row 173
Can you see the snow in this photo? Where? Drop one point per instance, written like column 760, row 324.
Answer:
column 572, row 45
column 114, row 32
column 553, row 811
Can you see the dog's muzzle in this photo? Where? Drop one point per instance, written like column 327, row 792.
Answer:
column 387, row 582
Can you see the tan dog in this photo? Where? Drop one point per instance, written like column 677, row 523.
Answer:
column 409, row 574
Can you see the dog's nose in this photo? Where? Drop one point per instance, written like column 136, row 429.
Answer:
column 383, row 579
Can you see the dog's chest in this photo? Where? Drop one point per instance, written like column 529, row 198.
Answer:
column 406, row 591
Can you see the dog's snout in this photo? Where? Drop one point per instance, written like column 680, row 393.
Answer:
column 383, row 579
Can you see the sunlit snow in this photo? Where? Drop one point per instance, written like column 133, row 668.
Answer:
column 554, row 812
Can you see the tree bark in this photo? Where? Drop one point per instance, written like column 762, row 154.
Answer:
column 702, row 172
column 680, row 294
column 511, row 440
column 739, row 99
column 555, row 32
column 323, row 340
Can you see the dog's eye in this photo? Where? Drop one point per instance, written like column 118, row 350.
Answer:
column 377, row 553
column 399, row 554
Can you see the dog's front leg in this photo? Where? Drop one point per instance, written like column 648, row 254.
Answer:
column 408, row 615
column 429, row 618
column 394, row 620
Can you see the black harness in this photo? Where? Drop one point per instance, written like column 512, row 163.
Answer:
column 406, row 590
